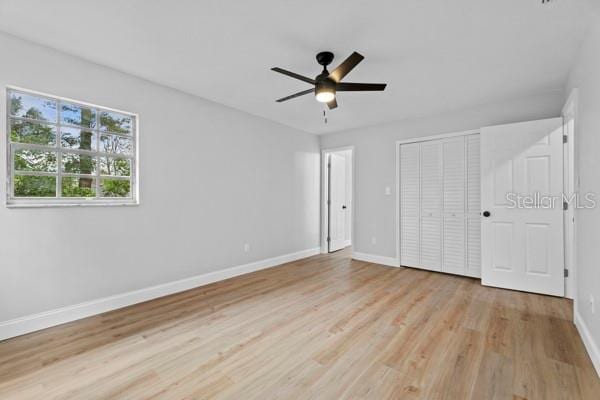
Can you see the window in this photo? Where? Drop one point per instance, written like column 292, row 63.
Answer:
column 64, row 152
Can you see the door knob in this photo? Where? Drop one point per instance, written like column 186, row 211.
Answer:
column 343, row 207
column 486, row 214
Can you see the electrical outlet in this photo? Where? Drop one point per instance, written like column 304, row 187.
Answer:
column 373, row 240
column 246, row 247
column 592, row 304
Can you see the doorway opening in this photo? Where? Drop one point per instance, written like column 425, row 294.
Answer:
column 337, row 204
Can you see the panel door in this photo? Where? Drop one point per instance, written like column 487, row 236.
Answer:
column 337, row 210
column 522, row 239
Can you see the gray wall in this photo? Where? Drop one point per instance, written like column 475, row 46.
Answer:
column 212, row 179
column 375, row 160
column 586, row 76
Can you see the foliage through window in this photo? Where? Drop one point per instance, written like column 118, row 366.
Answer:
column 65, row 152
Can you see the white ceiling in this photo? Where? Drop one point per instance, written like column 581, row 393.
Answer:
column 435, row 55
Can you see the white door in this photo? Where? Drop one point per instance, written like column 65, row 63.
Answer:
column 431, row 205
column 454, row 229
column 337, row 197
column 522, row 231
column 439, row 205
column 473, row 206
column 410, row 205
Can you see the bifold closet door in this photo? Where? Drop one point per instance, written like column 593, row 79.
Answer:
column 410, row 200
column 473, row 199
column 431, row 205
column 454, row 229
column 440, row 222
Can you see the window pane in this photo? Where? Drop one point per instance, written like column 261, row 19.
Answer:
column 32, row 132
column 75, row 138
column 35, row 186
column 78, row 164
column 64, row 149
column 116, row 144
column 78, row 187
column 35, row 160
column 77, row 115
column 115, row 122
column 116, row 188
column 115, row 166
column 34, row 107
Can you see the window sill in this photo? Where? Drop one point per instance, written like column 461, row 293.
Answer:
column 62, row 205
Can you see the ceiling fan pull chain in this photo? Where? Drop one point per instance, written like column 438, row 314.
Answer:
column 325, row 115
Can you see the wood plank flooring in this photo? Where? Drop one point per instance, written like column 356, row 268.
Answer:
column 320, row 328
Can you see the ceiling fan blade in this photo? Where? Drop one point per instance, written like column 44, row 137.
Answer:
column 293, row 75
column 292, row 96
column 332, row 104
column 345, row 67
column 359, row 87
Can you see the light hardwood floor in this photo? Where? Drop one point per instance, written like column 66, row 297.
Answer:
column 320, row 328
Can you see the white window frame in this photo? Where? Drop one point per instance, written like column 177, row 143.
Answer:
column 58, row 201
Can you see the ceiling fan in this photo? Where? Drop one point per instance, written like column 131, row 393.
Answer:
column 327, row 84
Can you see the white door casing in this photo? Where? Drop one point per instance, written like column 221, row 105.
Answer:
column 337, row 210
column 569, row 114
column 522, row 247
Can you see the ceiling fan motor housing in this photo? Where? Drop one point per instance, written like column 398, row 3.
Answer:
column 324, row 78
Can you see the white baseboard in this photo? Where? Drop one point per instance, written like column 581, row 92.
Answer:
column 372, row 258
column 590, row 345
column 35, row 322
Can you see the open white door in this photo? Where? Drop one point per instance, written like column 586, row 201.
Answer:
column 337, row 205
column 522, row 237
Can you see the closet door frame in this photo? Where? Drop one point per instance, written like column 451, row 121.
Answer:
column 417, row 140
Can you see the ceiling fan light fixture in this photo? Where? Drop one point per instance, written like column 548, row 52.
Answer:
column 325, row 95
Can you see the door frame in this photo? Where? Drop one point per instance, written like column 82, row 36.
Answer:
column 570, row 175
column 417, row 140
column 325, row 195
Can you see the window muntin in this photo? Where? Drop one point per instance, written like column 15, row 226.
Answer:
column 65, row 152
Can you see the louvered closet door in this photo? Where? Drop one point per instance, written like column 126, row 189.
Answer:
column 431, row 205
column 473, row 206
column 440, row 222
column 454, row 229
column 409, row 205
